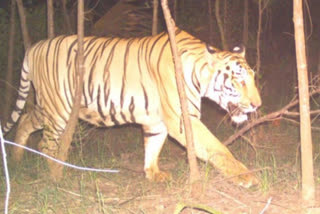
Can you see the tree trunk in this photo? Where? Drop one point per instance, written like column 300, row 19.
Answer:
column 210, row 21
column 155, row 18
column 220, row 25
column 245, row 35
column 67, row 21
column 10, row 59
column 175, row 10
column 27, row 44
column 66, row 136
column 24, row 27
column 308, row 190
column 319, row 62
column 258, row 62
column 225, row 23
column 50, row 24
column 263, row 4
column 194, row 171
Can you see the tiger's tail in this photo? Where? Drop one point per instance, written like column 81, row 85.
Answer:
column 23, row 92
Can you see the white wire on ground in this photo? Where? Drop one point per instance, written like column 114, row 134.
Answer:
column 61, row 162
column 6, row 172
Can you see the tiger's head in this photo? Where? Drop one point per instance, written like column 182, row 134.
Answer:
column 232, row 84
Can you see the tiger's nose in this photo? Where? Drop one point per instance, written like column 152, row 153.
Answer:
column 256, row 103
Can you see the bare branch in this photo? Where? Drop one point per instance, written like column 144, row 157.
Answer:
column 268, row 117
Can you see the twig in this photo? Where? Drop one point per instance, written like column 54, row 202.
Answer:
column 250, row 143
column 267, row 205
column 91, row 198
column 74, row 194
column 297, row 123
column 230, row 197
column 297, row 113
column 132, row 198
column 268, row 117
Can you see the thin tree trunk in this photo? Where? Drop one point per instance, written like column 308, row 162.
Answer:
column 245, row 36
column 66, row 137
column 254, row 133
column 262, row 6
column 27, row 44
column 50, row 24
column 308, row 190
column 10, row 58
column 210, row 21
column 319, row 62
column 155, row 18
column 24, row 27
column 66, row 16
column 175, row 10
column 258, row 62
column 225, row 22
column 220, row 25
column 194, row 171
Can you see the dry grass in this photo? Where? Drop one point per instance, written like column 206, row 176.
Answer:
column 274, row 156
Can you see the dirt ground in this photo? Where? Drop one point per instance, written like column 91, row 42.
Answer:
column 274, row 157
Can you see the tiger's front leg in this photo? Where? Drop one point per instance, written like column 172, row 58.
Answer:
column 209, row 148
column 154, row 138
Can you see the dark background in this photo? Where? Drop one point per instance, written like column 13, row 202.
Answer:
column 277, row 35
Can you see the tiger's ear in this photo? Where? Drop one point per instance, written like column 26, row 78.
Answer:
column 211, row 54
column 240, row 49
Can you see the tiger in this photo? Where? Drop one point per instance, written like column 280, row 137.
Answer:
column 132, row 81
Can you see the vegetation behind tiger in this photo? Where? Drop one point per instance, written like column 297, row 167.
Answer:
column 273, row 148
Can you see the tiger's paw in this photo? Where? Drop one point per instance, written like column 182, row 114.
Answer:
column 246, row 180
column 157, row 176
column 238, row 173
column 235, row 171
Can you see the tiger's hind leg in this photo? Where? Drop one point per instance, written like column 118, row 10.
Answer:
column 28, row 123
column 50, row 145
column 154, row 138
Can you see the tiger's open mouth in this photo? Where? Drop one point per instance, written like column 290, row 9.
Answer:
column 237, row 114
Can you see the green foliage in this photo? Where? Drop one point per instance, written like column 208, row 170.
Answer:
column 269, row 175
